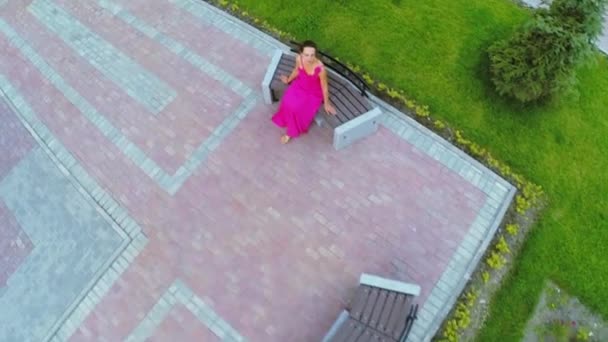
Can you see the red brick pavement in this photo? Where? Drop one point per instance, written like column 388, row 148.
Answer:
column 273, row 237
column 202, row 105
column 15, row 141
column 218, row 47
column 263, row 234
column 182, row 325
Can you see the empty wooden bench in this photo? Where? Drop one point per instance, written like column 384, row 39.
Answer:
column 356, row 117
column 381, row 311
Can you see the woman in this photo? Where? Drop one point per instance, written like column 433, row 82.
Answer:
column 306, row 92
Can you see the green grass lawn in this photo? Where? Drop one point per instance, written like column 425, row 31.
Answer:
column 434, row 51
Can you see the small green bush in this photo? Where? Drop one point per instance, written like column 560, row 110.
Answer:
column 540, row 59
column 536, row 62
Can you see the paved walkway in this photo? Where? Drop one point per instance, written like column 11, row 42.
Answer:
column 144, row 193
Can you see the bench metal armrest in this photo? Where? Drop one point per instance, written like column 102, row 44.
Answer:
column 388, row 284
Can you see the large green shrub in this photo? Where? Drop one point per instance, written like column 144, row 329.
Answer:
column 539, row 59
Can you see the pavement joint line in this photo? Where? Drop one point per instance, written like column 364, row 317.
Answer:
column 198, row 61
column 179, row 293
column 107, row 129
column 85, row 185
column 214, row 16
column 146, row 89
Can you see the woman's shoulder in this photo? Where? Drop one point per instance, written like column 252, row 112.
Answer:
column 320, row 66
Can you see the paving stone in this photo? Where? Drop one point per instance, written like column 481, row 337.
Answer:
column 62, row 260
column 169, row 136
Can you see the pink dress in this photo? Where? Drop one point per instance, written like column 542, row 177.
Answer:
column 300, row 102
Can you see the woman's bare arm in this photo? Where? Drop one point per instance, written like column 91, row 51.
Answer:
column 328, row 107
column 294, row 72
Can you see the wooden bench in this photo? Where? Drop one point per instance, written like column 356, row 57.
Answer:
column 381, row 310
column 356, row 117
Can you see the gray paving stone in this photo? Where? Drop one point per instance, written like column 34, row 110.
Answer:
column 478, row 231
column 470, row 244
column 436, row 301
column 49, row 228
column 451, row 275
column 426, row 314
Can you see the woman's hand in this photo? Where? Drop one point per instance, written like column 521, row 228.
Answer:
column 329, row 109
column 284, row 79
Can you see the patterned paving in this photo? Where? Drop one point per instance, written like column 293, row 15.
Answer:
column 182, row 325
column 175, row 299
column 15, row 244
column 137, row 82
column 61, row 263
column 139, row 125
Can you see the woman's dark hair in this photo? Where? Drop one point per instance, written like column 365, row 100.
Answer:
column 308, row 43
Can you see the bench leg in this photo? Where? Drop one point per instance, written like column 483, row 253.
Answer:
column 356, row 128
column 319, row 119
column 334, row 328
column 272, row 67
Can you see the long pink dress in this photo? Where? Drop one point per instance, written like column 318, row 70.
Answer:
column 300, row 102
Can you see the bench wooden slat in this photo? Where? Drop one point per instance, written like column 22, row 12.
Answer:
column 342, row 110
column 277, row 85
column 285, row 66
column 396, row 312
column 349, row 331
column 287, row 61
column 386, row 312
column 361, row 102
column 369, row 305
column 357, row 101
column 283, row 70
column 346, row 104
column 366, row 336
column 277, row 89
column 378, row 308
column 335, row 82
column 332, row 120
column 399, row 315
column 353, row 330
column 361, row 295
column 407, row 307
column 372, row 335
